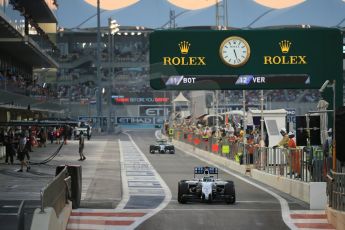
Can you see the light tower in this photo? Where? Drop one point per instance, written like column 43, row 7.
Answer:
column 113, row 28
column 221, row 24
column 98, row 76
column 222, row 20
column 172, row 21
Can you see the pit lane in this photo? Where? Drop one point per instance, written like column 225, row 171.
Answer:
column 254, row 209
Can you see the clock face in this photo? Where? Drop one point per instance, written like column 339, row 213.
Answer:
column 234, row 51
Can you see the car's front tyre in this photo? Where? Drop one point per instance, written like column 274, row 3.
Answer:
column 182, row 190
column 152, row 150
column 229, row 190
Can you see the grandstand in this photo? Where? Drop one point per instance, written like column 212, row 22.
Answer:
column 27, row 41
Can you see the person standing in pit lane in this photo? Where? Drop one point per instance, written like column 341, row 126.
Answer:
column 43, row 137
column 22, row 151
column 10, row 150
column 81, row 146
column 65, row 134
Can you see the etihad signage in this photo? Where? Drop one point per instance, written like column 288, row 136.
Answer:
column 184, row 60
column 135, row 120
column 154, row 110
column 284, row 59
column 139, row 120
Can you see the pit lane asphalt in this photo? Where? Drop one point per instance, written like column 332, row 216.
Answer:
column 254, row 209
column 101, row 182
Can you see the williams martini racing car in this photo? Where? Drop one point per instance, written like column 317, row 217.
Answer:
column 207, row 188
column 162, row 146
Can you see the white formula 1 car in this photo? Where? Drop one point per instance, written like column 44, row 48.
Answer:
column 207, row 188
column 85, row 128
column 162, row 146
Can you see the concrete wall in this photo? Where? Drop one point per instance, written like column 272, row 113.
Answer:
column 48, row 219
column 336, row 218
column 295, row 188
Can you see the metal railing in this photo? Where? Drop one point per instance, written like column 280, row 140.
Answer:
column 305, row 163
column 57, row 192
column 336, row 190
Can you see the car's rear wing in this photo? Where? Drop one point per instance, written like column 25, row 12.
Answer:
column 158, row 140
column 206, row 170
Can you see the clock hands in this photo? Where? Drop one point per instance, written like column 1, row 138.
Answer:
column 235, row 54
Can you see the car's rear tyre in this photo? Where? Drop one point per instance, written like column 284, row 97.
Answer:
column 210, row 198
column 182, row 190
column 229, row 190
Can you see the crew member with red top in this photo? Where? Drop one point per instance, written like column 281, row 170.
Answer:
column 295, row 156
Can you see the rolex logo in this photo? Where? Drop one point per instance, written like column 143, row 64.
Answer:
column 185, row 60
column 285, row 46
column 184, row 47
column 285, row 59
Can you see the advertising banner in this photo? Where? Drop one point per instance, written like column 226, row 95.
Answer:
column 141, row 99
column 139, row 120
column 154, row 110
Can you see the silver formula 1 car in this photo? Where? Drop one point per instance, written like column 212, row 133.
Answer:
column 162, row 146
column 207, row 188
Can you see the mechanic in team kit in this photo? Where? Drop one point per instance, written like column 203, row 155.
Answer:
column 284, row 141
column 295, row 156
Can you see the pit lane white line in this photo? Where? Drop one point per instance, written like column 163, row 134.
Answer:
column 253, row 201
column 125, row 189
column 222, row 209
column 125, row 195
column 283, row 203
